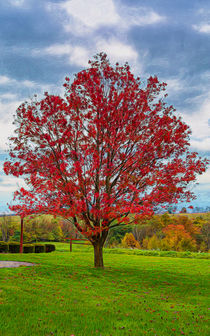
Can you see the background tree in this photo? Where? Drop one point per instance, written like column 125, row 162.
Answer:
column 8, row 226
column 206, row 234
column 130, row 241
column 69, row 230
column 108, row 153
column 5, row 225
column 183, row 210
column 153, row 226
column 116, row 234
column 178, row 238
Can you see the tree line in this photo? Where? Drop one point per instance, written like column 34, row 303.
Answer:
column 183, row 232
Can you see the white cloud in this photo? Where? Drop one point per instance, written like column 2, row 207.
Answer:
column 9, row 102
column 204, row 178
column 9, row 184
column 79, row 56
column 202, row 28
column 175, row 85
column 198, row 122
column 8, row 96
column 25, row 89
column 141, row 16
column 92, row 14
column 7, row 109
column 4, row 80
column 17, row 3
column 117, row 50
column 82, row 17
column 58, row 49
column 76, row 55
column 28, row 84
column 201, row 145
column 6, row 112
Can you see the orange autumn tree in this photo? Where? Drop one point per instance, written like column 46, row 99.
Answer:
column 178, row 238
column 109, row 149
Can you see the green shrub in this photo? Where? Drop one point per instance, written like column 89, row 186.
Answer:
column 39, row 248
column 113, row 243
column 168, row 254
column 201, row 255
column 49, row 247
column 14, row 247
column 186, row 254
column 173, row 254
column 28, row 248
column 4, row 247
column 151, row 253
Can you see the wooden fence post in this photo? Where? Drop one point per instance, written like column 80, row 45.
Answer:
column 21, row 236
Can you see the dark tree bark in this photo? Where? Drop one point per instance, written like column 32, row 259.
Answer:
column 98, row 255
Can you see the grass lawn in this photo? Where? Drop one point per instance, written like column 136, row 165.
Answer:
column 134, row 295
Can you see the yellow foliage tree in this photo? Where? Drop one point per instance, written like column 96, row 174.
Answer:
column 153, row 243
column 130, row 241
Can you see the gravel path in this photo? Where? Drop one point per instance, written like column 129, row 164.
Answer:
column 7, row 264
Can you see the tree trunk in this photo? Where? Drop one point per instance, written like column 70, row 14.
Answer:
column 98, row 254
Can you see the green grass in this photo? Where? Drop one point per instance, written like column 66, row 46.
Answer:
column 63, row 247
column 134, row 295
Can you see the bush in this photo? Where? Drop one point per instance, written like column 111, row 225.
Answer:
column 167, row 253
column 186, row 254
column 28, row 248
column 14, row 247
column 151, row 253
column 153, row 243
column 130, row 241
column 117, row 233
column 165, row 245
column 49, row 248
column 145, row 243
column 114, row 243
column 39, row 248
column 3, row 247
column 203, row 247
column 187, row 245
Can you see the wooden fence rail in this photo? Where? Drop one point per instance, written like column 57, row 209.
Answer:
column 72, row 239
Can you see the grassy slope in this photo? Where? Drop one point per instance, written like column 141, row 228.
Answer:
column 134, row 295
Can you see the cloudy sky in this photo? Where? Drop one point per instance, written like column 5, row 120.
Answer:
column 41, row 42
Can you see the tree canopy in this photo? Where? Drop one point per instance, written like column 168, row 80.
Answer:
column 109, row 149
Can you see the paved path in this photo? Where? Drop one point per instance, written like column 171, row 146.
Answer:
column 14, row 264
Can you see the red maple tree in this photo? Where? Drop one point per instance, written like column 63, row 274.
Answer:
column 107, row 153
